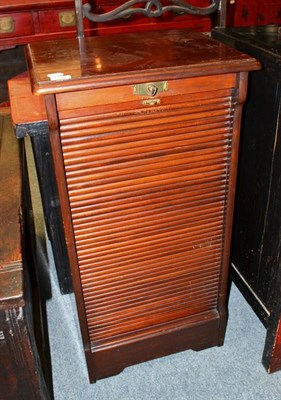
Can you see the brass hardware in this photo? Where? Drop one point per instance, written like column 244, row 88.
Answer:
column 151, row 102
column 151, row 88
column 7, row 25
column 67, row 18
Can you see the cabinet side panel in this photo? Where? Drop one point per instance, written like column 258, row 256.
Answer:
column 253, row 187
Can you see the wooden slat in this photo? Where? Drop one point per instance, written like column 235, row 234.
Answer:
column 168, row 256
column 177, row 204
column 136, row 170
column 155, row 195
column 184, row 116
column 147, row 307
column 154, row 317
column 101, row 298
column 157, row 235
column 136, row 280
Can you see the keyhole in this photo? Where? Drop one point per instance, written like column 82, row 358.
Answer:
column 152, row 89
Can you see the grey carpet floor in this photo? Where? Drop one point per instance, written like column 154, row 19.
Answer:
column 233, row 371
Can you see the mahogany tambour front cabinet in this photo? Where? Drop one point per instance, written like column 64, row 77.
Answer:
column 144, row 131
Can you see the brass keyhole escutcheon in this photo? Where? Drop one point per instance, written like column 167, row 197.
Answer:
column 152, row 89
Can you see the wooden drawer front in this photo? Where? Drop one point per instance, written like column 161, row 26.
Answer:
column 147, row 192
column 57, row 20
column 124, row 97
column 17, row 24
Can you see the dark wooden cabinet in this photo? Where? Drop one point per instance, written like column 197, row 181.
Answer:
column 256, row 238
column 21, row 367
column 144, row 133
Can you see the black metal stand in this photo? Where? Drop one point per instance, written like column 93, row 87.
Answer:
column 149, row 8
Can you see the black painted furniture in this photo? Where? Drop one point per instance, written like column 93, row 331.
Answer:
column 34, row 124
column 256, row 261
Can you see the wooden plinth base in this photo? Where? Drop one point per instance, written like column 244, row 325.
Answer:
column 109, row 361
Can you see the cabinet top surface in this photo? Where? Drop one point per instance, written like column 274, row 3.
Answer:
column 103, row 61
column 263, row 38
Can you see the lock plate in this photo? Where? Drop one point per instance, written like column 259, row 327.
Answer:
column 150, row 88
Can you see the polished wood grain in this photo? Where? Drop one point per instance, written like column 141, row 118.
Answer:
column 118, row 60
column 21, row 98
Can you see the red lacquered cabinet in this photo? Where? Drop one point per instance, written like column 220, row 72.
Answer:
column 25, row 21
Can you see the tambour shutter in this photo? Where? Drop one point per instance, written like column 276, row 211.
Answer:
column 148, row 190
